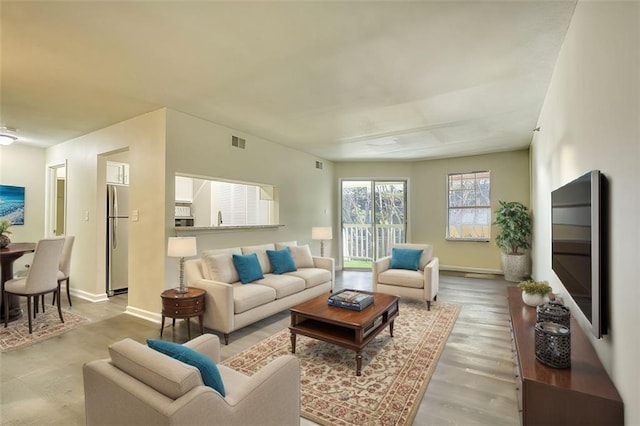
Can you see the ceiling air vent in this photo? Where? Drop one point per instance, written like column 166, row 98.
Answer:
column 319, row 165
column 237, row 142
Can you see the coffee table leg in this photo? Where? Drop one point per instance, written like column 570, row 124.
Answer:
column 358, row 363
column 391, row 328
column 293, row 342
column 162, row 326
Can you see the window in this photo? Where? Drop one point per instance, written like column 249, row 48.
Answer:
column 239, row 204
column 373, row 219
column 216, row 202
column 469, row 206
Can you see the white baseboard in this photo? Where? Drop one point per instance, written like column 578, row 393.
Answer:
column 102, row 297
column 470, row 270
column 146, row 315
column 91, row 297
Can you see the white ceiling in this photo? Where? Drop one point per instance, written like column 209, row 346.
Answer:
column 340, row 80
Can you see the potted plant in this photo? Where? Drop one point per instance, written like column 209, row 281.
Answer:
column 514, row 222
column 534, row 292
column 4, row 233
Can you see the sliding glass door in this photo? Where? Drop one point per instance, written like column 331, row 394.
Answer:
column 373, row 218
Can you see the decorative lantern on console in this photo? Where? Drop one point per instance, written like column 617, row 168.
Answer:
column 554, row 312
column 553, row 344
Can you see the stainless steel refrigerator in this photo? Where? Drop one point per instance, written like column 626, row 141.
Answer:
column 117, row 239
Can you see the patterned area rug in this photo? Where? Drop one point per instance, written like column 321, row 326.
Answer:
column 395, row 370
column 46, row 325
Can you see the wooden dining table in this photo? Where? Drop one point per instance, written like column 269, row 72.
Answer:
column 9, row 255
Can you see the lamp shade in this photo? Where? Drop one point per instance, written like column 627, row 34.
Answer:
column 321, row 233
column 182, row 247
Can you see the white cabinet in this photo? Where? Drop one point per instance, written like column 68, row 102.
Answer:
column 117, row 173
column 184, row 189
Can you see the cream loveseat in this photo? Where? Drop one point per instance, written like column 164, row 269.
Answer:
column 231, row 305
column 140, row 386
column 422, row 283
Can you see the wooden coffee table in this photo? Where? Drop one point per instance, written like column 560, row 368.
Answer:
column 343, row 327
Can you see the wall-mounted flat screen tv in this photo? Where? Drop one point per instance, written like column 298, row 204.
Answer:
column 578, row 222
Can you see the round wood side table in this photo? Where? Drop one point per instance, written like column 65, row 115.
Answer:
column 184, row 306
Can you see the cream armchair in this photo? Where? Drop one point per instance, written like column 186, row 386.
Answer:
column 139, row 386
column 421, row 284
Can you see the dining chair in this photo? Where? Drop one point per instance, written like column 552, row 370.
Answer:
column 65, row 263
column 41, row 279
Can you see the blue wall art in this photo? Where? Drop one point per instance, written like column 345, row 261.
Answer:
column 12, row 204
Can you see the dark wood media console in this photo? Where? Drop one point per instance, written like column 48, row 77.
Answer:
column 580, row 395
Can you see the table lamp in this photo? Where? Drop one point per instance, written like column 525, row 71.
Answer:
column 321, row 233
column 182, row 247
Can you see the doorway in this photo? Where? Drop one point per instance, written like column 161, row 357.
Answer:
column 117, row 223
column 373, row 219
column 56, row 199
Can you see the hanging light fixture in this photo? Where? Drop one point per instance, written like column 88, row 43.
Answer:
column 7, row 135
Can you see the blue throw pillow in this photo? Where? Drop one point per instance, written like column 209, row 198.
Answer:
column 248, row 267
column 208, row 369
column 405, row 258
column 281, row 261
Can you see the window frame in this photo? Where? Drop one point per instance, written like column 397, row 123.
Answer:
column 448, row 236
column 263, row 194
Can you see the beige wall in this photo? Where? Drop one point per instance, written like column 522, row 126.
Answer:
column 22, row 165
column 203, row 149
column 509, row 182
column 590, row 120
column 193, row 146
column 427, row 200
column 143, row 136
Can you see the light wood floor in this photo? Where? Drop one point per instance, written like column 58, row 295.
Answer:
column 473, row 383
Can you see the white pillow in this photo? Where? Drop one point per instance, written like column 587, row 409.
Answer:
column 164, row 374
column 302, row 256
column 220, row 267
column 229, row 251
column 280, row 246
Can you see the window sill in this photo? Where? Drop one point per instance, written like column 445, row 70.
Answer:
column 473, row 240
column 184, row 230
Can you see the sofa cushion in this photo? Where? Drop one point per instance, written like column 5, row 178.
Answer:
column 281, row 261
column 284, row 285
column 220, row 267
column 248, row 267
column 249, row 296
column 280, row 246
column 165, row 375
column 208, row 370
column 427, row 252
column 402, row 258
column 312, row 276
column 302, row 256
column 261, row 252
column 206, row 272
column 402, row 278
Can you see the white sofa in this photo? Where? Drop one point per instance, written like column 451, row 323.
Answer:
column 421, row 284
column 140, row 386
column 231, row 305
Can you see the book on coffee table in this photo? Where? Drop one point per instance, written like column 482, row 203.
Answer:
column 350, row 299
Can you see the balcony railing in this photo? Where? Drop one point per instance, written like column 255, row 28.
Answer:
column 357, row 242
